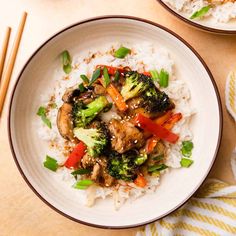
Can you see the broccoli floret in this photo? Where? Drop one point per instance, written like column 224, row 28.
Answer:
column 125, row 166
column 84, row 114
column 135, row 84
column 156, row 101
column 96, row 139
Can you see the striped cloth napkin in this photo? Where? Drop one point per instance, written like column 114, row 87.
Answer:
column 211, row 211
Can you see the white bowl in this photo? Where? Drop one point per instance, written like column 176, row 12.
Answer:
column 208, row 24
column 36, row 77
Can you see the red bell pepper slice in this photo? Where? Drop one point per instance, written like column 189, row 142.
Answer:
column 75, row 156
column 156, row 129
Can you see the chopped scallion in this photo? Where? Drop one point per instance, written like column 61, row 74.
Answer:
column 163, row 78
column 154, row 74
column 81, row 172
column 158, row 158
column 95, row 76
column 81, row 88
column 106, row 77
column 185, row 162
column 122, row 52
column 66, row 61
column 117, row 76
column 50, row 163
column 200, row 13
column 84, row 78
column 83, row 184
column 186, row 149
column 42, row 113
column 157, row 167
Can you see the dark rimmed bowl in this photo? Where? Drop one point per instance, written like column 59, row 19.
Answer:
column 207, row 24
column 38, row 76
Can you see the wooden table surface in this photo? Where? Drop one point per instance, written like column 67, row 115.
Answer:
column 21, row 211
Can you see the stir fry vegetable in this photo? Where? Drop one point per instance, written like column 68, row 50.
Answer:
column 50, row 163
column 96, row 139
column 135, row 84
column 66, row 62
column 157, row 130
column 116, row 97
column 75, row 156
column 128, row 146
column 84, row 114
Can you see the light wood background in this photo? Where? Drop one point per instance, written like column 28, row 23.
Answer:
column 21, row 211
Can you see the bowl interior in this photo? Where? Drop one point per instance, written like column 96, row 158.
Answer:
column 38, row 77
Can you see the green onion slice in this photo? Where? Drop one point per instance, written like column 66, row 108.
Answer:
column 122, row 52
column 187, row 147
column 106, row 77
column 50, row 163
column 81, row 172
column 163, row 78
column 200, row 13
column 81, row 88
column 157, row 167
column 185, row 162
column 66, row 61
column 83, row 184
column 84, row 78
column 154, row 74
column 42, row 113
column 117, row 76
column 158, row 158
column 95, row 76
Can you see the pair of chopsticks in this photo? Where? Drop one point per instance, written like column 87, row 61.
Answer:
column 6, row 71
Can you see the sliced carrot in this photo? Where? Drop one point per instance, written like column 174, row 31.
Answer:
column 140, row 181
column 151, row 144
column 172, row 121
column 162, row 119
column 115, row 96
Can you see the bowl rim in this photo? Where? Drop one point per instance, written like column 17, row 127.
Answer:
column 142, row 21
column 195, row 24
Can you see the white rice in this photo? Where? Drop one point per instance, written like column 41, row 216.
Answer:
column 144, row 57
column 220, row 12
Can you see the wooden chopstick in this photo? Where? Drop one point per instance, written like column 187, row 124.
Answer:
column 11, row 61
column 4, row 50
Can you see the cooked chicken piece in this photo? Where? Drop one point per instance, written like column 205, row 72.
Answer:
column 88, row 161
column 125, row 136
column 70, row 94
column 95, row 172
column 99, row 173
column 99, row 89
column 64, row 121
column 108, row 179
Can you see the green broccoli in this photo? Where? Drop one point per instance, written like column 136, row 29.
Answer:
column 84, row 114
column 155, row 101
column 96, row 139
column 135, row 84
column 125, row 166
